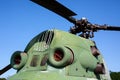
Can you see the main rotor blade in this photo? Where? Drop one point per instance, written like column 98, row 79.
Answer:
column 110, row 28
column 113, row 28
column 58, row 8
column 5, row 69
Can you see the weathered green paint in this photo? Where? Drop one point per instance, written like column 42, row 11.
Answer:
column 38, row 66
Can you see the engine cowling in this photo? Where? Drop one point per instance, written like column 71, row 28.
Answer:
column 18, row 60
column 60, row 57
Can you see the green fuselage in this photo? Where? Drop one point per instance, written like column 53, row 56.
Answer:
column 59, row 55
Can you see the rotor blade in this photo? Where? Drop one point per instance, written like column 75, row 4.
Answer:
column 113, row 28
column 58, row 8
column 5, row 69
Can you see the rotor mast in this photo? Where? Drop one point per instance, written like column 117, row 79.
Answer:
column 87, row 29
column 82, row 26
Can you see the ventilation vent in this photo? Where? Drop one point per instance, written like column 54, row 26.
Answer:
column 46, row 37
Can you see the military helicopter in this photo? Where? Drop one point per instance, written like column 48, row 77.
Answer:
column 55, row 54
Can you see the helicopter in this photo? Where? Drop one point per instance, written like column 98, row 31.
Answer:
column 48, row 42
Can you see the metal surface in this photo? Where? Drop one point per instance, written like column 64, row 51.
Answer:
column 87, row 29
column 59, row 55
column 68, row 57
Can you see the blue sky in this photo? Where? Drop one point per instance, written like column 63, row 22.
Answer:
column 21, row 20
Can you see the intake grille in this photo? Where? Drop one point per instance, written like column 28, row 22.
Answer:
column 41, row 42
column 46, row 37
